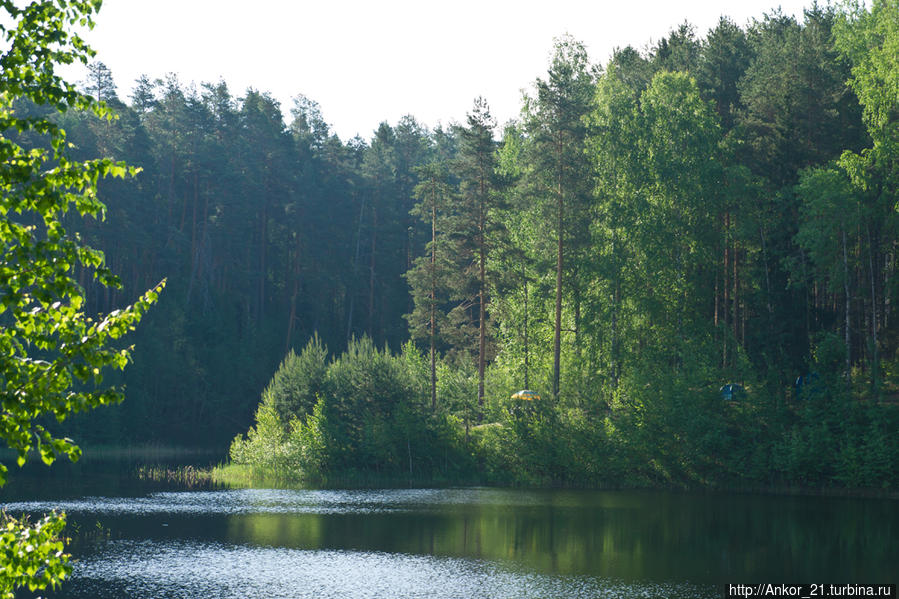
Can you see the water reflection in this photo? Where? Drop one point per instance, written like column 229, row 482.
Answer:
column 634, row 536
column 190, row 570
column 468, row 542
column 293, row 501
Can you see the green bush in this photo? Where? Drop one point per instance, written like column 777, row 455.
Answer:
column 366, row 415
column 308, row 443
column 367, row 411
column 264, row 445
column 298, row 381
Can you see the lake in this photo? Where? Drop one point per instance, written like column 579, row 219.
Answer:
column 135, row 538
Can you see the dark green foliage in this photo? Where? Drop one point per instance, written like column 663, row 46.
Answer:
column 366, row 388
column 715, row 210
column 678, row 52
column 54, row 348
column 723, row 61
column 298, row 382
column 372, row 416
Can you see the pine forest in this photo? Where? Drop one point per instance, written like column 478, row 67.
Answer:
column 688, row 253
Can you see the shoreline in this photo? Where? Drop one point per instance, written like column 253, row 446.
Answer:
column 242, row 475
column 161, row 463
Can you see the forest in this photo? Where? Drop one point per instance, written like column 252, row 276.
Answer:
column 688, row 252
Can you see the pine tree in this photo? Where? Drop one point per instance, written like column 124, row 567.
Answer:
column 477, row 225
column 100, row 83
column 428, row 276
column 560, row 170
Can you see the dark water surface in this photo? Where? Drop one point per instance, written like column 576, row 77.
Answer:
column 147, row 540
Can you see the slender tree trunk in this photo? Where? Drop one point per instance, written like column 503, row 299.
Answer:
column 557, row 332
column 767, row 274
column 888, row 270
column 726, row 289
column 875, row 361
column 616, row 334
column 861, row 314
column 193, row 240
column 846, row 337
column 736, row 293
column 482, row 327
column 183, row 220
column 433, row 315
column 410, row 301
column 577, row 321
column 295, row 289
column 371, row 272
column 808, row 326
column 616, row 302
column 349, row 320
column 717, row 298
column 193, row 224
column 482, row 295
column 171, row 201
column 292, row 315
column 433, row 362
column 527, row 384
column 204, row 235
column 263, row 235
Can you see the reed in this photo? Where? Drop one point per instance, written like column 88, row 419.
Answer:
column 187, row 476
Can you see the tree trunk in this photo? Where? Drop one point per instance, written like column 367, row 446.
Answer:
column 482, row 328
column 482, row 295
column 263, row 234
column 767, row 273
column 349, row 320
column 193, row 240
column 527, row 384
column 577, row 321
column 846, row 337
column 875, row 361
column 717, row 298
column 295, row 289
column 292, row 315
column 433, row 314
column 171, row 201
column 616, row 302
column 726, row 289
column 557, row 332
column 736, row 293
column 371, row 272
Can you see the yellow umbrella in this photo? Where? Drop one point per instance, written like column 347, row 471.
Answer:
column 526, row 394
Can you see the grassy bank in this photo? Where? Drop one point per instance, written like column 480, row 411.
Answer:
column 249, row 477
column 245, row 476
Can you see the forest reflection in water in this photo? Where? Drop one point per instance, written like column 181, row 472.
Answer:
column 469, row 542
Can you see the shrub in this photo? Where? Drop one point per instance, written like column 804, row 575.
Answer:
column 296, row 384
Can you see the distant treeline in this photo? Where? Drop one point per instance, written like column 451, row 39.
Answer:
column 712, row 210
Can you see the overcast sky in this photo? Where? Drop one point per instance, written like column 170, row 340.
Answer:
column 369, row 61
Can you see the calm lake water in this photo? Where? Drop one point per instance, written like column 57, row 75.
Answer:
column 136, row 539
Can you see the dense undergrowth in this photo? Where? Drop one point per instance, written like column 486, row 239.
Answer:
column 364, row 417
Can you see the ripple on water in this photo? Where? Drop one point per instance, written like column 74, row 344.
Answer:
column 188, row 570
column 286, row 501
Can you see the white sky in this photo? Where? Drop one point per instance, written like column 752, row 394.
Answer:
column 369, row 61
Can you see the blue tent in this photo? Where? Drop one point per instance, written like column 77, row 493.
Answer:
column 808, row 385
column 731, row 391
